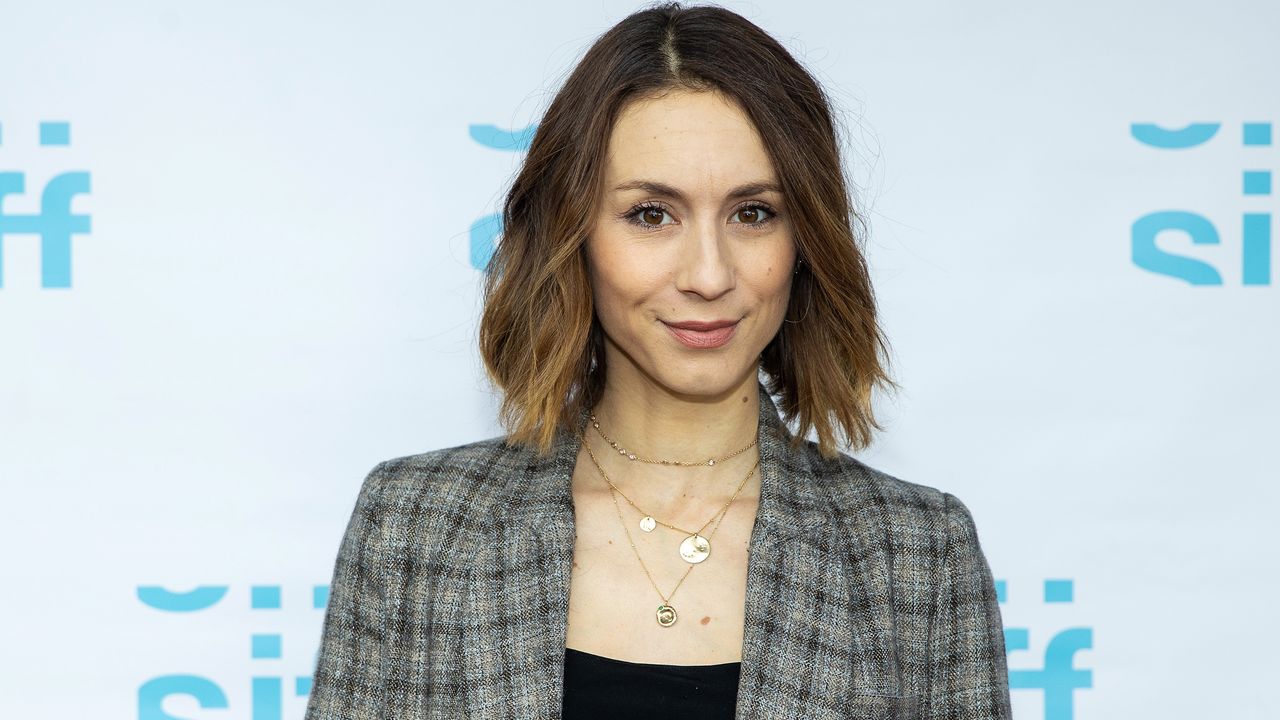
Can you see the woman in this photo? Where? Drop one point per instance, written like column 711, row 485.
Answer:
column 649, row 539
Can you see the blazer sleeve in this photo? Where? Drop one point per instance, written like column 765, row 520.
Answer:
column 347, row 682
column 968, row 671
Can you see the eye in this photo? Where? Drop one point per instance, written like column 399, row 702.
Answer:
column 647, row 215
column 757, row 214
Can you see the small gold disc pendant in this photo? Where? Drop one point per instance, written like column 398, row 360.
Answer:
column 648, row 524
column 695, row 548
column 666, row 615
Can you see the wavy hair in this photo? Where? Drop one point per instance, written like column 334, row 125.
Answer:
column 540, row 340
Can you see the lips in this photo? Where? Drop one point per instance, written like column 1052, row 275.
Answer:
column 703, row 335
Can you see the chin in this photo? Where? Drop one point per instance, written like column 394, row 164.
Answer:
column 709, row 379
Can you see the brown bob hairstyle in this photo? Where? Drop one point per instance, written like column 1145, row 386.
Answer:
column 541, row 341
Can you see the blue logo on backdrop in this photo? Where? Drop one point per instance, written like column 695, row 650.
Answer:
column 54, row 224
column 1255, row 253
column 1057, row 677
column 267, row 691
column 485, row 231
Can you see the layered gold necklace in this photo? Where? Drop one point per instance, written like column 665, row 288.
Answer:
column 695, row 547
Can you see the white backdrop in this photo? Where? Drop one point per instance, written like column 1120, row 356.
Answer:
column 271, row 290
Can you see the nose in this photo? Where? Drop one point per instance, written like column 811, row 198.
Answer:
column 705, row 262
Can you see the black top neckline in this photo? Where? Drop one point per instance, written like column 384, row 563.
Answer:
column 629, row 663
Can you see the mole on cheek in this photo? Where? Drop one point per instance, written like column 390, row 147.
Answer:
column 705, row 620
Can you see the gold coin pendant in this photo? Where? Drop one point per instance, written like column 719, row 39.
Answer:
column 695, row 548
column 666, row 615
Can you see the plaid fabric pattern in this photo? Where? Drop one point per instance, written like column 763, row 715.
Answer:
column 867, row 596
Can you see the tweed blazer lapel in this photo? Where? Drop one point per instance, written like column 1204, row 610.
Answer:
column 819, row 635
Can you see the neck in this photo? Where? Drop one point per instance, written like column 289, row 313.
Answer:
column 658, row 424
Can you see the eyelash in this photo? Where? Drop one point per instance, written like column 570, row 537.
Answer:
column 633, row 215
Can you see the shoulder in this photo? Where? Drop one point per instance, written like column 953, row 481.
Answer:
column 463, row 479
column 857, row 490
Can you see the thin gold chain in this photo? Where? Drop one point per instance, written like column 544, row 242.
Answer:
column 613, row 489
column 645, row 513
column 676, row 463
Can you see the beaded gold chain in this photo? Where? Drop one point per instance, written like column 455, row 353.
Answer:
column 676, row 463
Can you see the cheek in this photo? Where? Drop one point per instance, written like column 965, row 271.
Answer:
column 619, row 282
column 616, row 289
column 607, row 280
column 774, row 284
column 781, row 294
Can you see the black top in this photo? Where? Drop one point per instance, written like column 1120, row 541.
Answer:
column 596, row 686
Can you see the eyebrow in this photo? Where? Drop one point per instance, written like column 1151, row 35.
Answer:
column 657, row 188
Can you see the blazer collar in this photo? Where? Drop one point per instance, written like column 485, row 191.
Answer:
column 542, row 496
column 818, row 609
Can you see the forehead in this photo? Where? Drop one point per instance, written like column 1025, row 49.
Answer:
column 692, row 140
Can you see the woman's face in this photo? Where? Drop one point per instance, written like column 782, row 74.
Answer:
column 692, row 231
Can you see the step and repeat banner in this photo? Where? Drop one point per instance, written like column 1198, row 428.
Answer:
column 241, row 248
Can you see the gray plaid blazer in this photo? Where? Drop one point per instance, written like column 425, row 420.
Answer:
column 867, row 596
